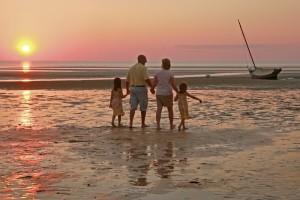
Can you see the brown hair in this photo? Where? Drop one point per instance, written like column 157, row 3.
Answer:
column 182, row 88
column 141, row 58
column 166, row 63
column 117, row 84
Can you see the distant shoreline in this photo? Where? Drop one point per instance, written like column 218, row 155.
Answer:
column 284, row 81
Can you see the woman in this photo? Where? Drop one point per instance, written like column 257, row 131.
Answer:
column 165, row 82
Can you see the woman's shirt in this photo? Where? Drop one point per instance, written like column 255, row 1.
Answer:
column 164, row 82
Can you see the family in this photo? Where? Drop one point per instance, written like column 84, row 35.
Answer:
column 164, row 82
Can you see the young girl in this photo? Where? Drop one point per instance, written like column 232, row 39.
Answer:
column 116, row 102
column 183, row 104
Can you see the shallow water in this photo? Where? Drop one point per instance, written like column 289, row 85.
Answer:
column 245, row 108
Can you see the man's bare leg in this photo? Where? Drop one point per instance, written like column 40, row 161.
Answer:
column 143, row 114
column 132, row 112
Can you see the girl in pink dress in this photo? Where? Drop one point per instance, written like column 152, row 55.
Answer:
column 183, row 104
column 116, row 102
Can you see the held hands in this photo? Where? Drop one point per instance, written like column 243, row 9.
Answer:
column 152, row 90
column 127, row 92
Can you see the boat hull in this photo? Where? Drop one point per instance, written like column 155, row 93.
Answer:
column 260, row 73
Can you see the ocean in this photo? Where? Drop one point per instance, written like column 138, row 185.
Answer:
column 78, row 71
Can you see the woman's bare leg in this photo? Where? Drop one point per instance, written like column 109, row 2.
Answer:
column 158, row 116
column 171, row 117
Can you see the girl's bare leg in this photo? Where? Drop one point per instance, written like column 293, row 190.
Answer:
column 119, row 120
column 113, row 121
column 181, row 124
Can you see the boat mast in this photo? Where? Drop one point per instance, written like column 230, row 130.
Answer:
column 247, row 44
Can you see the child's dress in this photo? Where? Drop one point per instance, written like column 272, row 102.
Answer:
column 183, row 106
column 117, row 104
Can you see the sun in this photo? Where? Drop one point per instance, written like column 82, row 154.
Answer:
column 26, row 47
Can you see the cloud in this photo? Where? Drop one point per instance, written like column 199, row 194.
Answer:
column 231, row 47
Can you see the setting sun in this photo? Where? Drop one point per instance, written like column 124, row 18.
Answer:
column 26, row 47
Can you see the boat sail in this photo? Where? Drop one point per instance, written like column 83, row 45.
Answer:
column 258, row 72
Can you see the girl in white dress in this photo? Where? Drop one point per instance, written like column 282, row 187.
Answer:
column 116, row 102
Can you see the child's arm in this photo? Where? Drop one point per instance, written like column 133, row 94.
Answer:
column 193, row 97
column 122, row 94
column 111, row 98
column 176, row 97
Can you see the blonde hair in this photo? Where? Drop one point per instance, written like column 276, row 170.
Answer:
column 166, row 63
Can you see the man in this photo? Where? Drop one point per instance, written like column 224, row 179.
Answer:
column 136, row 80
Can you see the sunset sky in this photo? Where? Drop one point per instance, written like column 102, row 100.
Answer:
column 119, row 30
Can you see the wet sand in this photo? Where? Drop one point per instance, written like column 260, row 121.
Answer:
column 243, row 142
column 105, row 163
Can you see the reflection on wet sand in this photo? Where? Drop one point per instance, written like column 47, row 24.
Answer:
column 164, row 165
column 24, row 154
column 151, row 158
column 25, row 176
column 25, row 118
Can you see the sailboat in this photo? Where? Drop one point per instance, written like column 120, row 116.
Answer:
column 258, row 72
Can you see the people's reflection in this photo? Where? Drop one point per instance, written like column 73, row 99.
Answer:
column 145, row 158
column 165, row 165
column 138, row 156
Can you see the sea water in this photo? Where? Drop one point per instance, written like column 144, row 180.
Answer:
column 61, row 71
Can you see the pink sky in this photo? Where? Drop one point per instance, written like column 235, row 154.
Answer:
column 115, row 30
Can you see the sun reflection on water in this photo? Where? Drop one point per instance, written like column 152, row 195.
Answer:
column 27, row 178
column 25, row 119
column 26, row 67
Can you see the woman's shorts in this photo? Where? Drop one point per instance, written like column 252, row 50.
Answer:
column 163, row 100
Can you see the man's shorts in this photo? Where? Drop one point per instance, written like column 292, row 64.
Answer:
column 163, row 100
column 138, row 97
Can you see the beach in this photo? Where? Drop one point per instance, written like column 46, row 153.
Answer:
column 242, row 142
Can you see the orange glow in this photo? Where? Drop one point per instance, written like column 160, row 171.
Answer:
column 208, row 30
column 26, row 67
